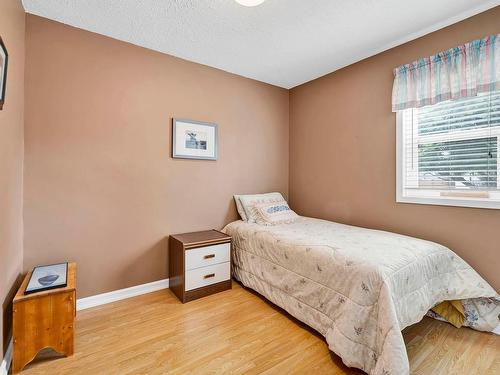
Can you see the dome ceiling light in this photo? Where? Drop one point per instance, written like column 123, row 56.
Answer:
column 250, row 3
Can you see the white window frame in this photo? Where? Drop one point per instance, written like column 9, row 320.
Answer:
column 492, row 203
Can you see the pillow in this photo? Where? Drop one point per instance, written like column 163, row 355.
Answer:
column 240, row 208
column 452, row 311
column 248, row 202
column 275, row 213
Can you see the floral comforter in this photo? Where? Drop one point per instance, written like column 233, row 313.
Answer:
column 358, row 287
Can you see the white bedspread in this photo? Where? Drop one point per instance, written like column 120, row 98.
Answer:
column 358, row 287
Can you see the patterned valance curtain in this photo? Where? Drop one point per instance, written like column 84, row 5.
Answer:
column 459, row 72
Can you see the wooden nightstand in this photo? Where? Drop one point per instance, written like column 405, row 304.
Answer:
column 199, row 264
column 44, row 320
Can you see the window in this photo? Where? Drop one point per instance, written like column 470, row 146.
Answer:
column 448, row 153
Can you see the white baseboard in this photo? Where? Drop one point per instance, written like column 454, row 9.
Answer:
column 117, row 295
column 7, row 360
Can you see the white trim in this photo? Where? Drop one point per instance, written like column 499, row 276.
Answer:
column 7, row 360
column 449, row 202
column 399, row 156
column 117, row 295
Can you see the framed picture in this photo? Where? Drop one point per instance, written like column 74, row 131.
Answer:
column 4, row 59
column 47, row 277
column 194, row 139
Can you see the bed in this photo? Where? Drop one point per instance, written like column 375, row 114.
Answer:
column 358, row 287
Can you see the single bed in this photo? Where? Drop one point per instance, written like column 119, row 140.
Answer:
column 358, row 287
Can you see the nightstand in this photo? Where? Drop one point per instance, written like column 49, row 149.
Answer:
column 199, row 264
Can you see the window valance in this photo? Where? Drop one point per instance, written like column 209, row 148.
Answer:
column 459, row 72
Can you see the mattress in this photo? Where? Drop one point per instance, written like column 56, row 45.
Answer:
column 358, row 287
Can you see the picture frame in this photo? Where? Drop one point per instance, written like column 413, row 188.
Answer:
column 4, row 60
column 194, row 139
column 47, row 277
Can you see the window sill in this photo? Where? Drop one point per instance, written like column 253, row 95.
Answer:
column 447, row 201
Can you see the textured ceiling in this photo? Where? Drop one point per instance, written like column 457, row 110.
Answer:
column 281, row 42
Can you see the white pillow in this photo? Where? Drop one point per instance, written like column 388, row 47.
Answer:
column 240, row 208
column 249, row 201
column 275, row 213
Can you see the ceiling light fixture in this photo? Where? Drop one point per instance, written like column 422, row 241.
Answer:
column 250, row 3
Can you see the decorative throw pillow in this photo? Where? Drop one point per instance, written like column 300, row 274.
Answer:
column 240, row 208
column 249, row 201
column 275, row 213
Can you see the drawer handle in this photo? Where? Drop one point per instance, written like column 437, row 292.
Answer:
column 209, row 276
column 209, row 256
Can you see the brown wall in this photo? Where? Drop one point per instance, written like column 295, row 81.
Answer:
column 11, row 162
column 101, row 188
column 343, row 153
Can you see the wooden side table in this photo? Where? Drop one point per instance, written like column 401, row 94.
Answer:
column 44, row 319
column 200, row 264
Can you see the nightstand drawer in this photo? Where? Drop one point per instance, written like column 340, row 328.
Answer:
column 204, row 276
column 207, row 256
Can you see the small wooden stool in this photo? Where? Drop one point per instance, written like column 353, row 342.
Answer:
column 44, row 319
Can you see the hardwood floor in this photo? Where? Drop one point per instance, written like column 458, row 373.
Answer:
column 238, row 332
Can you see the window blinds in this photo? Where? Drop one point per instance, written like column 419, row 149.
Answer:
column 450, row 149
